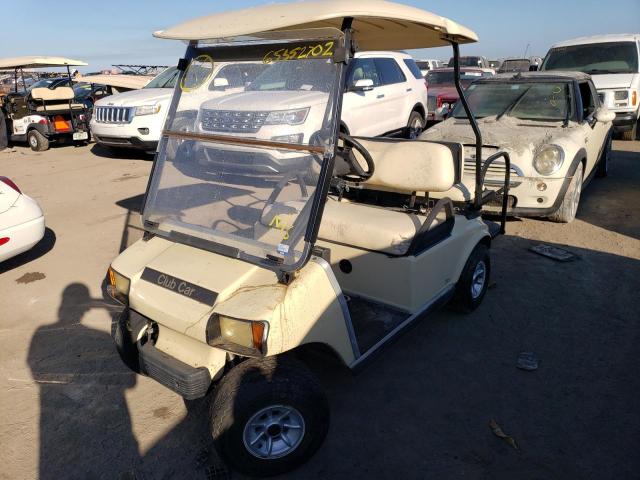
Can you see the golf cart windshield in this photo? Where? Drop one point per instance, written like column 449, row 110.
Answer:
column 248, row 130
column 545, row 101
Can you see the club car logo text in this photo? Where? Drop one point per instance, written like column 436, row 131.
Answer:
column 180, row 286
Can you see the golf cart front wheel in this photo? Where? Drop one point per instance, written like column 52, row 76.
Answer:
column 268, row 416
column 37, row 141
column 474, row 280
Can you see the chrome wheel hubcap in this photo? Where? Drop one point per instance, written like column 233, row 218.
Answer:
column 576, row 195
column 33, row 141
column 478, row 279
column 274, row 432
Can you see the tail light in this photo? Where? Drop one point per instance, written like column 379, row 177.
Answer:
column 4, row 240
column 8, row 182
column 60, row 124
column 43, row 121
column 439, row 102
column 634, row 98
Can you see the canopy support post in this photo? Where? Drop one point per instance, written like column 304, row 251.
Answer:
column 477, row 199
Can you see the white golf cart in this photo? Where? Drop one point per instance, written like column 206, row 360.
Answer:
column 42, row 115
column 258, row 247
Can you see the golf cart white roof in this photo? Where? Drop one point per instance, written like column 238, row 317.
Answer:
column 133, row 82
column 378, row 25
column 39, row 62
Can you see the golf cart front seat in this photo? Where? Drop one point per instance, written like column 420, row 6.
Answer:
column 402, row 167
column 55, row 100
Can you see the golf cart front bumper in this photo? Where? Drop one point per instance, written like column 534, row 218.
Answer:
column 139, row 352
column 624, row 121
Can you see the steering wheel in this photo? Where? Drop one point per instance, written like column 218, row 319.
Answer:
column 350, row 143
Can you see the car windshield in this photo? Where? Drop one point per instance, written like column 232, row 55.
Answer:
column 238, row 167
column 166, row 79
column 594, row 58
column 47, row 83
column 515, row 66
column 468, row 61
column 435, row 77
column 544, row 101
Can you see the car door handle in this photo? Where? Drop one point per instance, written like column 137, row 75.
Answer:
column 380, row 95
column 409, row 89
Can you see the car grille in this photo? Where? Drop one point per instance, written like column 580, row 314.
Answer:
column 233, row 121
column 113, row 114
column 495, row 173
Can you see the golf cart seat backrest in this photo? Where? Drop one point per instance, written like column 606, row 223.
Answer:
column 54, row 99
column 407, row 166
column 59, row 94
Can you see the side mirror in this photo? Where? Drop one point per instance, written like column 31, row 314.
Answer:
column 604, row 115
column 220, row 82
column 362, row 85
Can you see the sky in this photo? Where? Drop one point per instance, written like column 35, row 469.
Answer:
column 119, row 31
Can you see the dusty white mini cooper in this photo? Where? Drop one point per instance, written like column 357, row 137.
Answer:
column 555, row 130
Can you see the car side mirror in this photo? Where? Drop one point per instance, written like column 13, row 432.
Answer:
column 220, row 82
column 362, row 85
column 604, row 115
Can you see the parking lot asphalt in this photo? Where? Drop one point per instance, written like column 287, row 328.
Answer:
column 70, row 409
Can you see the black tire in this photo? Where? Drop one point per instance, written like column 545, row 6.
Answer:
column 268, row 384
column 127, row 350
column 37, row 141
column 602, row 170
column 415, row 125
column 569, row 206
column 469, row 292
column 630, row 135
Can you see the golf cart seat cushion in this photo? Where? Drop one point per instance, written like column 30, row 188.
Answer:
column 56, row 107
column 53, row 95
column 355, row 224
column 409, row 166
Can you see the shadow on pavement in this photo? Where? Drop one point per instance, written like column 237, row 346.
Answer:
column 613, row 203
column 44, row 246
column 120, row 153
column 85, row 426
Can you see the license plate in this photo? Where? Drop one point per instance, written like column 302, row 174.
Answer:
column 80, row 136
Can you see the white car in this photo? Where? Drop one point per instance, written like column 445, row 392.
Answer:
column 135, row 119
column 613, row 61
column 552, row 125
column 21, row 220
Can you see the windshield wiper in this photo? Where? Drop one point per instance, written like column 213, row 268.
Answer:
column 513, row 104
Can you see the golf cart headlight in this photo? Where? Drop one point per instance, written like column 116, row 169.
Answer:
column 147, row 109
column 244, row 337
column 621, row 95
column 118, row 287
column 287, row 117
column 548, row 159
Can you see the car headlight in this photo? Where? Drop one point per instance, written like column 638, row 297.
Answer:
column 293, row 138
column 147, row 109
column 244, row 337
column 119, row 287
column 287, row 117
column 621, row 95
column 548, row 159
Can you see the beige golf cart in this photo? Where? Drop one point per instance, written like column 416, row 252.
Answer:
column 262, row 240
column 40, row 115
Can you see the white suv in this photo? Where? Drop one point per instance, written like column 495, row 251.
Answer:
column 613, row 61
column 135, row 119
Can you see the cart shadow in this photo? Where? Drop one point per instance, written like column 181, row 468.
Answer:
column 44, row 246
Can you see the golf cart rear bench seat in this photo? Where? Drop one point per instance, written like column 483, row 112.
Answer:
column 56, row 99
column 402, row 167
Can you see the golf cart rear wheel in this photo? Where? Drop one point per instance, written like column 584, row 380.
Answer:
column 268, row 416
column 474, row 280
column 37, row 141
